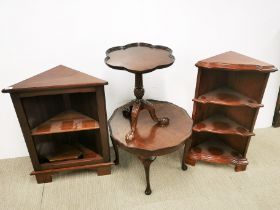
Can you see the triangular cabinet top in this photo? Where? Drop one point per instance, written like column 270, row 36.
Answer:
column 56, row 78
column 236, row 62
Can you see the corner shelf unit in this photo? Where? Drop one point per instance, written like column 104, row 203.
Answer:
column 229, row 91
column 62, row 115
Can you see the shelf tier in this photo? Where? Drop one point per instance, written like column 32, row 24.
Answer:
column 67, row 121
column 88, row 156
column 227, row 97
column 221, row 125
column 216, row 152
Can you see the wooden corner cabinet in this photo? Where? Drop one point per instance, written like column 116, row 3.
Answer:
column 228, row 95
column 62, row 115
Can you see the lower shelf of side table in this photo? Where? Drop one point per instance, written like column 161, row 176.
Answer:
column 216, row 152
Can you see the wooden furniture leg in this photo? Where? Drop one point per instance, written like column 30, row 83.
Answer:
column 276, row 117
column 134, row 117
column 103, row 171
column 186, row 149
column 147, row 162
column 116, row 149
column 164, row 121
column 43, row 178
column 134, row 107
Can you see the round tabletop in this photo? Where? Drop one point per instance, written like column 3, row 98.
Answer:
column 139, row 57
column 151, row 139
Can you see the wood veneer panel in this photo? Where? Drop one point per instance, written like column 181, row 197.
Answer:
column 67, row 121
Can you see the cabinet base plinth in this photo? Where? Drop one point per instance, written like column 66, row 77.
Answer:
column 45, row 176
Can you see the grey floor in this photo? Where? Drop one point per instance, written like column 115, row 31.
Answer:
column 205, row 186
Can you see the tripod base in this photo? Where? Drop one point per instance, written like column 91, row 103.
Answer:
column 132, row 109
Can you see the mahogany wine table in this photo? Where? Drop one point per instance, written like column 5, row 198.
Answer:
column 139, row 58
column 149, row 139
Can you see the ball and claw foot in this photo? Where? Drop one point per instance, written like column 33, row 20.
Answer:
column 129, row 136
column 164, row 121
column 148, row 191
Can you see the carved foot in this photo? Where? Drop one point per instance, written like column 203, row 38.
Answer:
column 129, row 136
column 43, row 178
column 134, row 117
column 184, row 167
column 147, row 162
column 103, row 170
column 164, row 121
column 191, row 162
column 239, row 168
column 148, row 191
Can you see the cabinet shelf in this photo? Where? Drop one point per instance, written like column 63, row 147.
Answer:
column 90, row 157
column 221, row 125
column 67, row 121
column 228, row 97
column 216, row 152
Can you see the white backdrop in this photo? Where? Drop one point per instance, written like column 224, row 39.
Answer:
column 37, row 35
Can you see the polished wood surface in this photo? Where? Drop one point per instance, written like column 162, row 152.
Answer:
column 57, row 77
column 66, row 152
column 276, row 117
column 139, row 57
column 151, row 140
column 66, row 121
column 235, row 61
column 213, row 151
column 228, row 95
column 63, row 119
column 148, row 136
column 221, row 125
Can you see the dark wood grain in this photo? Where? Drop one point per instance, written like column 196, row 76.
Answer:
column 62, row 114
column 139, row 57
column 55, row 78
column 221, row 125
column 235, row 61
column 217, row 152
column 66, row 121
column 151, row 140
column 228, row 95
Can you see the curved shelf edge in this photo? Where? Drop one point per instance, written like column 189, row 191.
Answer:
column 215, row 152
column 227, row 97
column 221, row 125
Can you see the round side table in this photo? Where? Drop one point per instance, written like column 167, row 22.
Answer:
column 139, row 58
column 149, row 139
